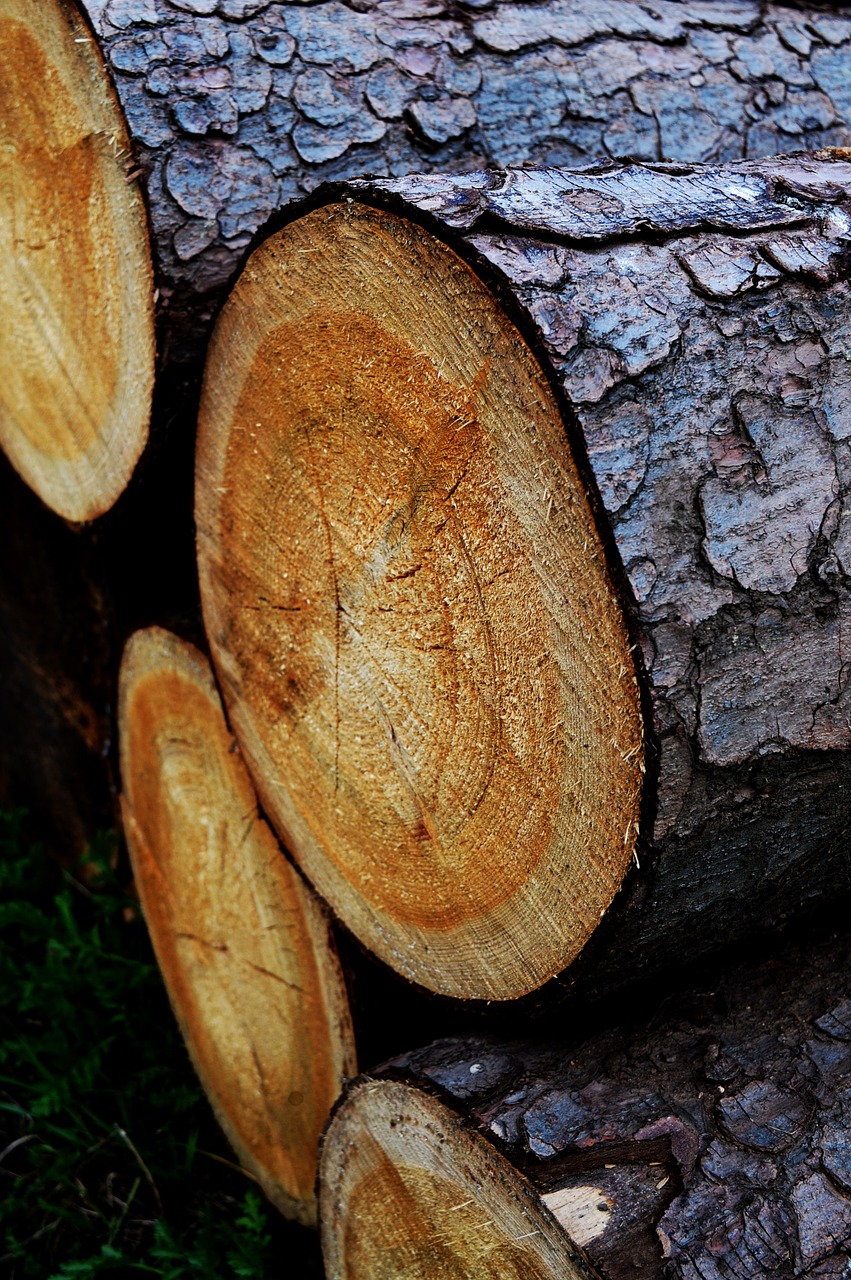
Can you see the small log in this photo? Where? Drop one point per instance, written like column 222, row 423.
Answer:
column 708, row 1141
column 244, row 947
column 77, row 340
column 408, row 1190
column 421, row 634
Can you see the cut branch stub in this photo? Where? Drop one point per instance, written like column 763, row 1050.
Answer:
column 77, row 339
column 407, row 602
column 243, row 946
column 409, row 1191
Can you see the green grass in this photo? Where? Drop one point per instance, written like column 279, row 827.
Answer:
column 110, row 1161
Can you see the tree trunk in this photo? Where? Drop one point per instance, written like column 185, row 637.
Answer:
column 243, row 946
column 707, row 1139
column 420, row 645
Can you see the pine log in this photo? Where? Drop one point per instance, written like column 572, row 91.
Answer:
column 710, row 1140
column 243, row 945
column 422, row 649
column 237, row 107
column 77, row 340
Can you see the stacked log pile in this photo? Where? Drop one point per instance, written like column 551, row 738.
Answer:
column 233, row 109
column 524, row 549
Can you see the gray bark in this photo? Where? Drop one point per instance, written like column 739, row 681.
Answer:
column 716, row 1136
column 698, row 322
column 240, row 106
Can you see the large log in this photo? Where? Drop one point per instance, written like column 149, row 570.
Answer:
column 77, row 341
column 243, row 945
column 390, row 514
column 706, row 1140
column 239, row 106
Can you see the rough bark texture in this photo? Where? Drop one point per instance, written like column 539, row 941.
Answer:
column 698, row 322
column 240, row 106
column 711, row 1143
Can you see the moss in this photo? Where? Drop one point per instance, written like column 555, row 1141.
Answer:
column 110, row 1159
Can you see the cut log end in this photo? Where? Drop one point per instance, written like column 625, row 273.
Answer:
column 77, row 340
column 242, row 944
column 410, row 1192
column 409, row 608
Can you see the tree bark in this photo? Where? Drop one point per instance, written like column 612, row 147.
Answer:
column 243, row 945
column 238, row 107
column 706, row 1139
column 695, row 323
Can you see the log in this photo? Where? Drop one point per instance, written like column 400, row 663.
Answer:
column 243, row 945
column 417, row 586
column 237, row 107
column 706, row 1139
column 77, row 342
